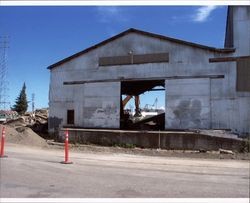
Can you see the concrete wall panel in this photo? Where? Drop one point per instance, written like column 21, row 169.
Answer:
column 101, row 108
column 189, row 109
column 241, row 25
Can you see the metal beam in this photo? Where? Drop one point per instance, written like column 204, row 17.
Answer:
column 226, row 59
column 122, row 79
column 159, row 89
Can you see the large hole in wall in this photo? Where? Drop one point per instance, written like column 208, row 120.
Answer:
column 142, row 105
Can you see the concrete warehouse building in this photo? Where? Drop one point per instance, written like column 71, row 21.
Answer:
column 205, row 87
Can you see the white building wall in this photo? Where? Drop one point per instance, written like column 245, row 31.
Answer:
column 241, row 30
column 188, row 103
column 101, row 105
column 184, row 61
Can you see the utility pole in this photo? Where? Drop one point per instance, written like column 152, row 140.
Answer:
column 4, row 45
column 33, row 102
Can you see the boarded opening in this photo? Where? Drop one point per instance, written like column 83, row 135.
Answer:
column 70, row 117
column 243, row 75
column 134, row 59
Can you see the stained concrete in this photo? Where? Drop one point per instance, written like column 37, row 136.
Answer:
column 188, row 103
column 156, row 139
column 241, row 29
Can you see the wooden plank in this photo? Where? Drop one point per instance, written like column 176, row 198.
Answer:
column 243, row 75
column 114, row 60
column 134, row 59
column 151, row 58
column 226, row 59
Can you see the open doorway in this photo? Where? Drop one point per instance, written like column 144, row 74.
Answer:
column 142, row 105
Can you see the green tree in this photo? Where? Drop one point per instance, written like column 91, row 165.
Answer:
column 21, row 104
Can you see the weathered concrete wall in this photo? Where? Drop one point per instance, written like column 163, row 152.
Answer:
column 62, row 100
column 95, row 105
column 150, row 139
column 230, row 109
column 221, row 106
column 98, row 104
column 188, row 103
column 241, row 30
column 101, row 105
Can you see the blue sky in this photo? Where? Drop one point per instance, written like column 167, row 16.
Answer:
column 41, row 36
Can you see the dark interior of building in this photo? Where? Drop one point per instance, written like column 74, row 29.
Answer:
column 139, row 120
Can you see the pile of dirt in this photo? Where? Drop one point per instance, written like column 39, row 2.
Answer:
column 16, row 122
column 23, row 135
column 37, row 121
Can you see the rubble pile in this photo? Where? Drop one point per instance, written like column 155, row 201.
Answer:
column 29, row 129
column 24, row 136
column 30, row 137
column 6, row 115
column 37, row 121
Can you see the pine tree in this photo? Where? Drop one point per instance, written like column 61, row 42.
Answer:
column 21, row 105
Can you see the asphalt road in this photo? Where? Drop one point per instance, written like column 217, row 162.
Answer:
column 34, row 172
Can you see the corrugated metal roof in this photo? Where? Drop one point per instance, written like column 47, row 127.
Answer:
column 132, row 30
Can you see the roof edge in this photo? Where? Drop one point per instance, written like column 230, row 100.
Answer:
column 133, row 30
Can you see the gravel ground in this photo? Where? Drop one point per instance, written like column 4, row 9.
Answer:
column 149, row 152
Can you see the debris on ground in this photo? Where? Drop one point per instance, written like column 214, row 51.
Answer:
column 149, row 152
column 223, row 151
column 24, row 136
column 218, row 133
column 37, row 121
column 6, row 115
column 202, row 150
column 16, row 122
column 27, row 129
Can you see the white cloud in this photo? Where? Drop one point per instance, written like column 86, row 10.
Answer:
column 113, row 10
column 107, row 14
column 202, row 14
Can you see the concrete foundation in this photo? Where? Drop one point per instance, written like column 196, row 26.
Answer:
column 171, row 140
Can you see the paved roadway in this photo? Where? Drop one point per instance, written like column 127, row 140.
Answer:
column 33, row 172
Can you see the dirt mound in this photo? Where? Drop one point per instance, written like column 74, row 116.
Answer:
column 24, row 136
column 37, row 121
column 16, row 122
